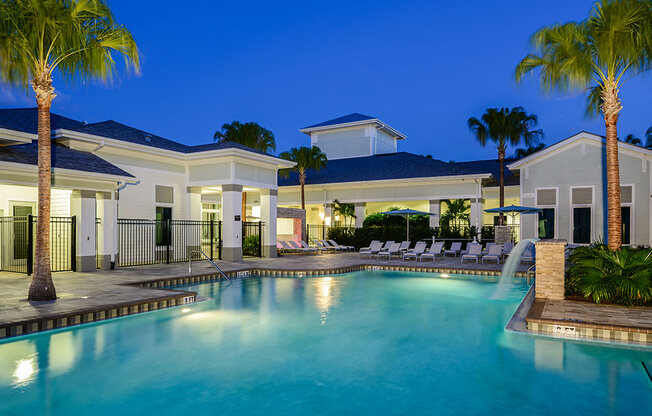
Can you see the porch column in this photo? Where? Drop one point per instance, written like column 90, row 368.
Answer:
column 82, row 206
column 268, row 215
column 107, row 229
column 232, row 222
column 476, row 213
column 434, row 209
column 360, row 213
column 329, row 213
column 193, row 203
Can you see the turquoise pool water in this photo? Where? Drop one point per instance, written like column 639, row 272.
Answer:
column 368, row 343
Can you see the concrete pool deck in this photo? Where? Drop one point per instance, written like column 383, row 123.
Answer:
column 95, row 296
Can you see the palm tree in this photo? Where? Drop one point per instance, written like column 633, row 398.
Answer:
column 306, row 158
column 520, row 153
column 597, row 55
column 631, row 139
column 648, row 138
column 457, row 212
column 345, row 210
column 505, row 127
column 249, row 134
column 78, row 39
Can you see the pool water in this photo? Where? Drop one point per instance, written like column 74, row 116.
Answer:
column 365, row 343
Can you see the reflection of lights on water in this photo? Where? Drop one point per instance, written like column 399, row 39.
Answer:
column 24, row 371
column 324, row 297
column 186, row 310
column 444, row 275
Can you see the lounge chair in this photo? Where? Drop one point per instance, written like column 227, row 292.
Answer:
column 319, row 248
column 287, row 247
column 323, row 247
column 405, row 246
column 507, row 248
column 343, row 248
column 369, row 247
column 528, row 255
column 488, row 246
column 371, row 250
column 387, row 245
column 436, row 249
column 475, row 251
column 454, row 250
column 418, row 250
column 299, row 247
column 392, row 250
column 494, row 253
column 329, row 246
column 468, row 246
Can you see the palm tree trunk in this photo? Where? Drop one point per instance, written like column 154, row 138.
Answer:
column 302, row 181
column 501, row 175
column 42, row 287
column 611, row 108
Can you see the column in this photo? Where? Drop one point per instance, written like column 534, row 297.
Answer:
column 268, row 199
column 476, row 213
column 435, row 208
column 82, row 206
column 360, row 213
column 232, row 222
column 329, row 213
column 193, row 203
column 551, row 269
column 107, row 229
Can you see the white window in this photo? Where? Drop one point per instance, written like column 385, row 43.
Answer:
column 581, row 208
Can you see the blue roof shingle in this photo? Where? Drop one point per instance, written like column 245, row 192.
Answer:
column 350, row 118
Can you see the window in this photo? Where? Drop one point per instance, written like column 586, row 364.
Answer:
column 163, row 230
column 547, row 223
column 546, row 197
column 625, row 217
column 164, row 194
column 582, row 225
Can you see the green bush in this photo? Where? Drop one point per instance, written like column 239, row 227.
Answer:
column 250, row 245
column 603, row 276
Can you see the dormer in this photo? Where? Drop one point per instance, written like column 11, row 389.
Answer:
column 353, row 135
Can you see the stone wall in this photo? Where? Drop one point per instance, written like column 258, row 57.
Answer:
column 295, row 213
column 550, row 269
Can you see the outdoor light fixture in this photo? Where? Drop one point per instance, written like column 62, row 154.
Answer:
column 444, row 275
column 186, row 310
column 321, row 215
column 327, row 221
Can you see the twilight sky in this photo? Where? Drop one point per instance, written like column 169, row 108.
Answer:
column 423, row 67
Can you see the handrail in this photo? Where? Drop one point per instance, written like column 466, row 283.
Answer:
column 209, row 260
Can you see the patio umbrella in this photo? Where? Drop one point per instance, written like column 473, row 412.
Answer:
column 407, row 213
column 513, row 210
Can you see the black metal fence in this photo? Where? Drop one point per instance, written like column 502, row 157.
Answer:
column 316, row 232
column 142, row 241
column 252, row 239
column 17, row 242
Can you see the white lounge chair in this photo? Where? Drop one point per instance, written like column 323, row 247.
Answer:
column 369, row 247
column 373, row 249
column 300, row 247
column 528, row 255
column 287, row 247
column 475, row 251
column 507, row 248
column 405, row 246
column 468, row 246
column 387, row 245
column 343, row 248
column 392, row 250
column 437, row 249
column 455, row 249
column 493, row 253
column 324, row 246
column 418, row 250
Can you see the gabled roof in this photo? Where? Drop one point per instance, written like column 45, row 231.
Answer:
column 62, row 157
column 401, row 165
column 492, row 166
column 349, row 118
column 25, row 120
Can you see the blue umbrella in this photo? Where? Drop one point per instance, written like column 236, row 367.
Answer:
column 407, row 213
column 514, row 209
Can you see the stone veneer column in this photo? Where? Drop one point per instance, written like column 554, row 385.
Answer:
column 360, row 213
column 435, row 208
column 82, row 206
column 268, row 214
column 231, row 227
column 107, row 230
column 550, row 269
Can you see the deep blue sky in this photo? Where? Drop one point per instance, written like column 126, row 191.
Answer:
column 423, row 67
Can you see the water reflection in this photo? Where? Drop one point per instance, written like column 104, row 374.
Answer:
column 327, row 293
column 25, row 370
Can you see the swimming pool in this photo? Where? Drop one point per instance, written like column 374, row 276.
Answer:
column 365, row 343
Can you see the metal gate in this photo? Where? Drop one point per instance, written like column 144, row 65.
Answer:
column 142, row 241
column 252, row 239
column 17, row 242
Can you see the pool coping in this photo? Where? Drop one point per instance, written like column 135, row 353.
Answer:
column 184, row 297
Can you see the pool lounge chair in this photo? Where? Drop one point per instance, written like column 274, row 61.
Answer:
column 289, row 248
column 394, row 249
column 454, row 250
column 475, row 251
column 370, row 244
column 329, row 246
column 494, row 253
column 507, row 248
column 468, row 246
column 405, row 246
column 319, row 248
column 373, row 249
column 437, row 249
column 343, row 248
column 528, row 255
column 387, row 245
column 323, row 247
column 418, row 250
column 298, row 247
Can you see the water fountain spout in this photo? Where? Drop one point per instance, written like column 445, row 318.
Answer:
column 506, row 279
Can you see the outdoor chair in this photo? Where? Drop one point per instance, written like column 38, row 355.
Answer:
column 323, row 247
column 493, row 253
column 319, row 248
column 488, row 246
column 468, row 246
column 387, row 245
column 370, row 244
column 405, row 246
column 373, row 249
column 436, row 249
column 329, row 246
column 298, row 247
column 392, row 250
column 347, row 248
column 455, row 249
column 418, row 249
column 475, row 251
column 507, row 248
column 528, row 255
column 287, row 247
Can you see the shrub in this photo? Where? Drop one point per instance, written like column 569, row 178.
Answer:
column 623, row 276
column 250, row 245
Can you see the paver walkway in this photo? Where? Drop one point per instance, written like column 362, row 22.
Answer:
column 589, row 313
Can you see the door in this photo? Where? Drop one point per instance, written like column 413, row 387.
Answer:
column 19, row 237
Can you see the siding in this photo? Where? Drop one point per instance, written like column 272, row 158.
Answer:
column 343, row 144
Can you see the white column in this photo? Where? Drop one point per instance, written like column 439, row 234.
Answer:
column 193, row 203
column 82, row 206
column 232, row 222
column 268, row 206
column 329, row 213
column 434, row 209
column 107, row 229
column 476, row 213
column 360, row 213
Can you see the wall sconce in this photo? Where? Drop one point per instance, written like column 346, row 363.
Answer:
column 327, row 221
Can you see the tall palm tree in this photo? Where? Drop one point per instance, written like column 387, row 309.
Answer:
column 249, row 134
column 457, row 212
column 306, row 158
column 520, row 153
column 505, row 127
column 648, row 138
column 347, row 211
column 597, row 55
column 631, row 139
column 76, row 39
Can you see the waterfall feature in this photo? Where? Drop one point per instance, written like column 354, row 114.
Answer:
column 507, row 276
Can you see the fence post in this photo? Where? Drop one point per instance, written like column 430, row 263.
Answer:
column 168, row 239
column 210, row 238
column 219, row 239
column 260, row 239
column 73, row 243
column 30, row 244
